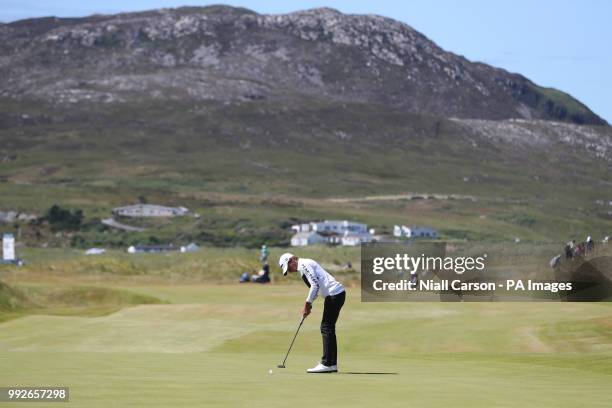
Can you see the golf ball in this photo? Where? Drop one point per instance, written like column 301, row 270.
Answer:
column 270, row 372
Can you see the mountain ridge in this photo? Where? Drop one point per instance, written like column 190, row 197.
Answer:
column 224, row 54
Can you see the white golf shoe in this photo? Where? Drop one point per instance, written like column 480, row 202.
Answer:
column 320, row 368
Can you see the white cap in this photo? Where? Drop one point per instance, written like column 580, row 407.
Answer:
column 283, row 261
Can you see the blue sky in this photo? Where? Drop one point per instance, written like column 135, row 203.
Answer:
column 562, row 44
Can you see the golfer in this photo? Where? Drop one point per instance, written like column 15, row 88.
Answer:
column 319, row 282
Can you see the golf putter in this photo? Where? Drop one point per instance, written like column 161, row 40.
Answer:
column 291, row 345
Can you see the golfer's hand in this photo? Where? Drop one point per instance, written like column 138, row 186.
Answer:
column 307, row 309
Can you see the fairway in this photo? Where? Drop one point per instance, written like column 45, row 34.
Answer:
column 212, row 345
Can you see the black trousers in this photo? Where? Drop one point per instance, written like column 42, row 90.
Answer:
column 331, row 311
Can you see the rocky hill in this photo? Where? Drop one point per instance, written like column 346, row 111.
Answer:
column 227, row 54
column 257, row 122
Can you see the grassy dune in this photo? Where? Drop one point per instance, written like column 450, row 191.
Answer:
column 12, row 299
column 44, row 299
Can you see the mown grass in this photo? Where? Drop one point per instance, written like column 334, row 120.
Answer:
column 214, row 345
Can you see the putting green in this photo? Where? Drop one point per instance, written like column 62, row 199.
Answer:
column 213, row 346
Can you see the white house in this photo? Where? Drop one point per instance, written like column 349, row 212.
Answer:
column 301, row 227
column 414, row 232
column 150, row 249
column 354, row 239
column 338, row 227
column 331, row 231
column 193, row 247
column 150, row 210
column 10, row 216
column 307, row 238
column 95, row 251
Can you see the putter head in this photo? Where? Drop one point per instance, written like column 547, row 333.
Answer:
column 281, row 366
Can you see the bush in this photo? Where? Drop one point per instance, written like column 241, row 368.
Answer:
column 61, row 219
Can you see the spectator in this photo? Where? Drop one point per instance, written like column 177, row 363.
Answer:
column 569, row 253
column 580, row 250
column 245, row 277
column 265, row 252
column 590, row 245
column 555, row 261
column 263, row 276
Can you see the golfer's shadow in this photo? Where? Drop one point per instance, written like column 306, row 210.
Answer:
column 366, row 373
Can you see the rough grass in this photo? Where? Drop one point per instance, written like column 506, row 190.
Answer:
column 224, row 265
column 27, row 299
column 209, row 264
column 12, row 299
column 84, row 296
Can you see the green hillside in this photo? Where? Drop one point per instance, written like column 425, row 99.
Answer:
column 252, row 169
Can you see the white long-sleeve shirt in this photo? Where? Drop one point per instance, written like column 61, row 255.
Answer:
column 318, row 279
